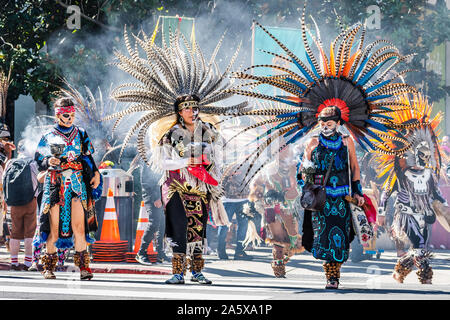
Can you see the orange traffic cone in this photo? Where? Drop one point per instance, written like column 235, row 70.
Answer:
column 151, row 253
column 109, row 248
column 141, row 227
column 110, row 227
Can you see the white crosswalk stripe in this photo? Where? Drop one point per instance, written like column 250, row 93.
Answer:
column 127, row 286
column 119, row 286
column 234, row 281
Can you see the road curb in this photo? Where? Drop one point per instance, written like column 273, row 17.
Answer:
column 122, row 270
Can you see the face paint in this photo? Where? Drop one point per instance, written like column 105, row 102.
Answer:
column 189, row 115
column 66, row 119
column 328, row 132
column 328, row 128
column 423, row 155
column 195, row 113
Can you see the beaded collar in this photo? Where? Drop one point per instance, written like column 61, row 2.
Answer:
column 334, row 142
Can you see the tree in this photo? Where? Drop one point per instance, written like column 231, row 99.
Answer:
column 24, row 28
column 35, row 38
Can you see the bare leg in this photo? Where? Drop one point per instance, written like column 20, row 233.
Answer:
column 81, row 257
column 78, row 225
column 54, row 224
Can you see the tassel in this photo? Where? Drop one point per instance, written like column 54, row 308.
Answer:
column 90, row 238
column 40, row 239
column 191, row 246
column 219, row 214
column 64, row 243
column 252, row 236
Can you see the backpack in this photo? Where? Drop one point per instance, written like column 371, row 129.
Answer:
column 17, row 182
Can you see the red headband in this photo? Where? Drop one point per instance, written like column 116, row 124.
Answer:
column 67, row 109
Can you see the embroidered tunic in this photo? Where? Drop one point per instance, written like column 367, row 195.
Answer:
column 332, row 230
column 71, row 181
column 187, row 199
column 414, row 213
column 273, row 193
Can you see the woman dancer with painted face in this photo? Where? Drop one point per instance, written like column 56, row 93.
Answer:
column 327, row 234
column 185, row 146
column 67, row 208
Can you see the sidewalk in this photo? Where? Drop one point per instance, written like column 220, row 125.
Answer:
column 98, row 267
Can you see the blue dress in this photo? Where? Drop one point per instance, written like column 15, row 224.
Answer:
column 60, row 187
column 330, row 230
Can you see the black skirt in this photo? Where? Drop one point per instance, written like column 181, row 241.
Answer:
column 179, row 227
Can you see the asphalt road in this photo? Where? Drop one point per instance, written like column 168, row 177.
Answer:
column 237, row 280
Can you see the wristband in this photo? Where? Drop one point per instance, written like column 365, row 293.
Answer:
column 357, row 188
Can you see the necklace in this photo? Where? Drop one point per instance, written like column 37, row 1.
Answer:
column 333, row 144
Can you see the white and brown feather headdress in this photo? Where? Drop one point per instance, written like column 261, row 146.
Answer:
column 164, row 74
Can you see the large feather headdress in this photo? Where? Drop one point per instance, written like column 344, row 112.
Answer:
column 358, row 79
column 165, row 73
column 415, row 128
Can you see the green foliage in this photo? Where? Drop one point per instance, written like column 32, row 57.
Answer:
column 36, row 40
column 24, row 28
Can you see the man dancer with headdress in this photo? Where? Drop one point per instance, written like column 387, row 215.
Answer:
column 176, row 94
column 272, row 194
column 413, row 172
column 348, row 88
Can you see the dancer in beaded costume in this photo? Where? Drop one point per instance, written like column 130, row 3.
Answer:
column 68, row 207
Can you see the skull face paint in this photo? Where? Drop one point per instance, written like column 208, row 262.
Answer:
column 423, row 155
column 66, row 119
column 328, row 128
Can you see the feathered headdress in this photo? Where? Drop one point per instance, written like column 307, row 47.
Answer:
column 359, row 82
column 416, row 128
column 91, row 110
column 164, row 74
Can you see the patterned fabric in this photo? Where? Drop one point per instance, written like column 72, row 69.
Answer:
column 198, row 198
column 60, row 187
column 332, row 227
column 67, row 109
column 193, row 207
column 337, row 184
column 332, row 143
column 175, row 147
